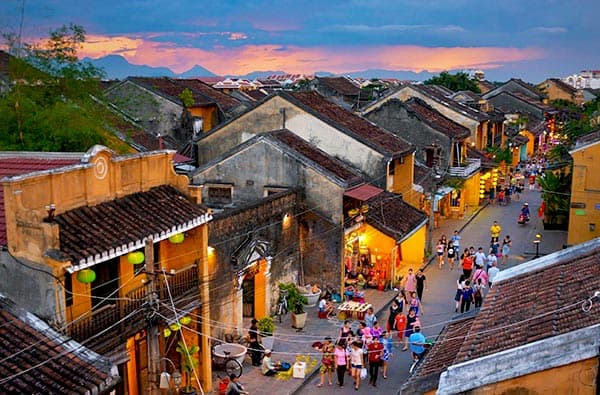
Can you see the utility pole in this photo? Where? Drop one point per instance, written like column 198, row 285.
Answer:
column 151, row 319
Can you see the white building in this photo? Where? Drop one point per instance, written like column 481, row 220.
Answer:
column 585, row 79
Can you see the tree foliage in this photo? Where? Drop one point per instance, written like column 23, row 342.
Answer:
column 51, row 105
column 455, row 82
column 556, row 193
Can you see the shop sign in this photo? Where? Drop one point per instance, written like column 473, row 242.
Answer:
column 577, row 205
column 579, row 212
column 597, row 206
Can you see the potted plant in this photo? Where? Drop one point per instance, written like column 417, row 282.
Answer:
column 296, row 304
column 265, row 330
column 311, row 293
column 189, row 362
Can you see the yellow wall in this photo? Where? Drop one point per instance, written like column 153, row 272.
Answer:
column 575, row 379
column 208, row 115
column 585, row 189
column 470, row 192
column 403, row 175
column 413, row 250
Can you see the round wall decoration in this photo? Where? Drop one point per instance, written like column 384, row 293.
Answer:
column 100, row 168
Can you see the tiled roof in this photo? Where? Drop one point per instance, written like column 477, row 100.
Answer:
column 224, row 101
column 341, row 85
column 16, row 163
column 381, row 139
column 88, row 232
column 456, row 106
column 449, row 342
column 35, row 359
column 588, row 139
column 317, row 156
column 256, row 94
column 363, row 192
column 393, row 216
column 564, row 86
column 436, row 120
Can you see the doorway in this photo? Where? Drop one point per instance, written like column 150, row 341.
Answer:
column 248, row 288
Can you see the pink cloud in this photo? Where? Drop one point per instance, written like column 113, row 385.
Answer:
column 245, row 59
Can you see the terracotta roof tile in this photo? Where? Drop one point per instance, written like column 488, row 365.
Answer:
column 436, row 120
column 392, row 215
column 456, row 106
column 381, row 139
column 341, row 85
column 56, row 365
column 87, row 231
column 16, row 163
column 317, row 156
column 224, row 101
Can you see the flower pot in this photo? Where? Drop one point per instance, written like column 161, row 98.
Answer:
column 299, row 320
column 311, row 298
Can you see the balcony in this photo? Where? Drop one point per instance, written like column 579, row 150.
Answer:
column 105, row 328
column 472, row 165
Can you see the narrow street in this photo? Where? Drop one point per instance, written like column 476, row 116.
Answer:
column 438, row 302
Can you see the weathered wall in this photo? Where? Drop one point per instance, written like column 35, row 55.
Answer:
column 507, row 102
column 585, row 189
column 155, row 113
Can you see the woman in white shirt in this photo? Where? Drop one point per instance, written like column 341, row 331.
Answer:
column 356, row 361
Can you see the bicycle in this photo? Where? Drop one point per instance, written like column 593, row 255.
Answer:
column 282, row 305
column 229, row 364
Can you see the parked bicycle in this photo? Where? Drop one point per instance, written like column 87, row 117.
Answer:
column 229, row 364
column 282, row 305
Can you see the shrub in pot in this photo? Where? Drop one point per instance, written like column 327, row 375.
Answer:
column 266, row 327
column 296, row 304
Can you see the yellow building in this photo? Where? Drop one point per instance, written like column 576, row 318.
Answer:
column 534, row 344
column 115, row 248
column 584, row 214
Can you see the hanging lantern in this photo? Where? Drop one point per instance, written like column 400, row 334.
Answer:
column 175, row 326
column 86, row 276
column 166, row 332
column 135, row 258
column 177, row 238
column 185, row 320
column 364, row 208
column 353, row 213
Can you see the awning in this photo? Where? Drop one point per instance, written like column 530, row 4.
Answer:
column 440, row 194
column 363, row 192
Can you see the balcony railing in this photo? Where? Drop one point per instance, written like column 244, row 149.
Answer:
column 91, row 329
column 471, row 167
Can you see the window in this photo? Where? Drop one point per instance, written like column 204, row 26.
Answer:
column 455, row 198
column 68, row 289
column 271, row 190
column 220, row 194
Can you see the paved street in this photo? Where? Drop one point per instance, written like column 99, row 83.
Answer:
column 438, row 302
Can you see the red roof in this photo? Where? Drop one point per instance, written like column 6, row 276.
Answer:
column 363, row 192
column 13, row 164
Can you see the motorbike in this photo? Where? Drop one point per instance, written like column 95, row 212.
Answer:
column 523, row 219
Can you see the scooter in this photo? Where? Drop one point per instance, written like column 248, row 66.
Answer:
column 523, row 219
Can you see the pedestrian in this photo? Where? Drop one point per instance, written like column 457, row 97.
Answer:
column 480, row 257
column 411, row 321
column 479, row 288
column 415, row 304
column 356, row 362
column 531, row 181
column 410, row 282
column 388, row 346
column 451, row 254
column 466, row 297
column 455, row 239
column 501, row 198
column 394, row 311
column 268, row 367
column 480, row 274
column 440, row 248
column 494, row 248
column 400, row 325
column 376, row 331
column 459, row 286
column 420, row 276
column 467, row 265
column 345, row 332
column 506, row 246
column 253, row 340
column 492, row 273
column 491, row 259
column 375, row 352
column 341, row 360
column 327, row 362
column 370, row 317
column 495, row 230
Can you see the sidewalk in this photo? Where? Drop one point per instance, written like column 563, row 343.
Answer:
column 290, row 345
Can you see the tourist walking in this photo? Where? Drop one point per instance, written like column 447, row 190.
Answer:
column 480, row 274
column 480, row 257
column 411, row 321
column 495, row 230
column 388, row 346
column 455, row 240
column 327, row 362
column 370, row 317
column 415, row 304
column 253, row 340
column 341, row 360
column 375, row 352
column 491, row 259
column 394, row 311
column 420, row 277
column 440, row 248
column 492, row 273
column 356, row 362
column 467, row 265
column 345, row 332
column 410, row 282
column 478, row 288
column 506, row 246
column 466, row 297
column 451, row 254
column 459, row 286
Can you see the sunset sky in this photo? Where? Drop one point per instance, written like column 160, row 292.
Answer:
column 529, row 39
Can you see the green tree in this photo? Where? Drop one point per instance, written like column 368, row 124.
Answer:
column 455, row 82
column 52, row 105
column 556, row 193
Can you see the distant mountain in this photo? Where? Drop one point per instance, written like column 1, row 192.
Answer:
column 399, row 74
column 117, row 67
column 197, row 71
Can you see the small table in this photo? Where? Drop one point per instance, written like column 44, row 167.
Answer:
column 353, row 310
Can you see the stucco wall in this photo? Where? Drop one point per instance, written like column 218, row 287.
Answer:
column 585, row 189
column 155, row 113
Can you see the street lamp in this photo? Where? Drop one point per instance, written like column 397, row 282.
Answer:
column 165, row 377
column 537, row 241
